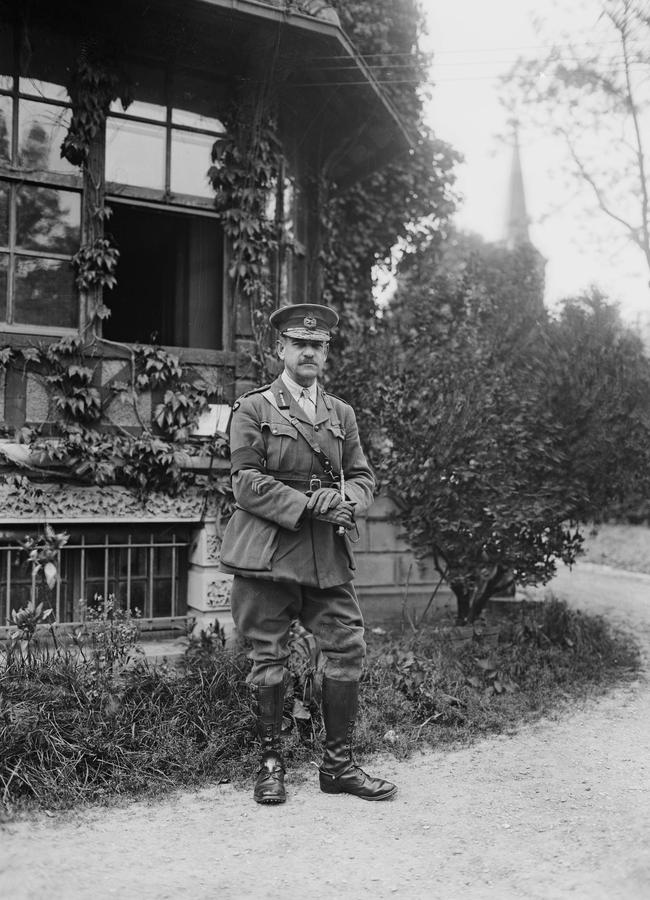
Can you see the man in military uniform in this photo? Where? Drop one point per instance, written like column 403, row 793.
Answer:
column 299, row 478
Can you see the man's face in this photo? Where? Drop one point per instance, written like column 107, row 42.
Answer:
column 303, row 360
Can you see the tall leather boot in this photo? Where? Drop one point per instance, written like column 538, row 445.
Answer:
column 339, row 774
column 269, row 783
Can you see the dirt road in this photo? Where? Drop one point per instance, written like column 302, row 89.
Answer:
column 559, row 810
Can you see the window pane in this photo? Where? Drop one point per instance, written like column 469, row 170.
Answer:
column 48, row 219
column 162, row 598
column 4, row 269
column 6, row 58
column 148, row 89
column 135, row 153
column 162, row 561
column 194, row 120
column 4, row 214
column 190, row 163
column 5, row 127
column 45, row 68
column 197, row 104
column 94, row 562
column 138, row 595
column 42, row 128
column 45, row 293
column 45, row 89
column 139, row 561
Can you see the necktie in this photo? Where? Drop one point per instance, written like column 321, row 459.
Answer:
column 305, row 402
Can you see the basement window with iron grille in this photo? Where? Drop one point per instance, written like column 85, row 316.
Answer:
column 145, row 571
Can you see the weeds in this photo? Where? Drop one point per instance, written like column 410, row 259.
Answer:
column 425, row 690
column 86, row 722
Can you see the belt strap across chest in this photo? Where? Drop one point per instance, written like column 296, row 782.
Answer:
column 302, row 430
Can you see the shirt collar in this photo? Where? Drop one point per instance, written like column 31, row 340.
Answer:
column 295, row 389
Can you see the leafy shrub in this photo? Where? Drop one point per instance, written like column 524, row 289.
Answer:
column 76, row 730
column 423, row 689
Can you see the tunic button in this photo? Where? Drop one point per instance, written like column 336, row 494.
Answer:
column 275, row 431
column 315, row 427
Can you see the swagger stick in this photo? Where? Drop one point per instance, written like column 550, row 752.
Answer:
column 341, row 528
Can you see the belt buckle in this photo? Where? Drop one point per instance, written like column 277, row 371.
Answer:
column 314, row 484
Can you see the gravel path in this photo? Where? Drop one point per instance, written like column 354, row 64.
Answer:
column 559, row 810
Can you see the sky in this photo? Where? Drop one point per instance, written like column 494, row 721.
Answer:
column 473, row 43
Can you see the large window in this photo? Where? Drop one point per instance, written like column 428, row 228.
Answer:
column 156, row 157
column 161, row 144
column 40, row 197
column 145, row 571
column 170, row 278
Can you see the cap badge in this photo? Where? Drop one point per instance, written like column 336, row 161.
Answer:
column 309, row 322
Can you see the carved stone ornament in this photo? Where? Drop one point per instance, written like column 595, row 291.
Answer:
column 218, row 594
column 52, row 503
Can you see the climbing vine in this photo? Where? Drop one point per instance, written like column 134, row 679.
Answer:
column 94, row 84
column 246, row 166
column 96, row 81
column 95, row 264
column 155, row 459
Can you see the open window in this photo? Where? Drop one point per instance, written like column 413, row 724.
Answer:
column 158, row 152
column 170, row 277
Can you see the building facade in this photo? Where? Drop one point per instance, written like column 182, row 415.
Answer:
column 111, row 120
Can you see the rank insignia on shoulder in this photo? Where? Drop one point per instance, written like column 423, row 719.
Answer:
column 258, row 390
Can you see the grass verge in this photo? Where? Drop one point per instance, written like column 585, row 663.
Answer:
column 80, row 729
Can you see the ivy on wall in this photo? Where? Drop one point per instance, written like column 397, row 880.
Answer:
column 156, row 459
column 244, row 174
column 80, row 447
column 95, row 83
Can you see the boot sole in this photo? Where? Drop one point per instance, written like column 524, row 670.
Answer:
column 270, row 801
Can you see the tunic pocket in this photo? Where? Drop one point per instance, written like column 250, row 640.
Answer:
column 249, row 542
column 281, row 440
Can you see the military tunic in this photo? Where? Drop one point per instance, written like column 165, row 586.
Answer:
column 269, row 535
column 287, row 564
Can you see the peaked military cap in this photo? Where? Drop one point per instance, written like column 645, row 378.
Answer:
column 306, row 321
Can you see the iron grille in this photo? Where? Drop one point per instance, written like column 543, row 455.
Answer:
column 145, row 573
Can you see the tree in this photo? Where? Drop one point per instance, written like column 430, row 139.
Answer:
column 496, row 429
column 599, row 387
column 595, row 94
column 411, row 199
column 473, row 454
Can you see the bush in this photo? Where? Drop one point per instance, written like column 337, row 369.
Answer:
column 73, row 731
column 423, row 690
column 497, row 430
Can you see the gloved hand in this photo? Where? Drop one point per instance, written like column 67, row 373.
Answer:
column 323, row 500
column 343, row 514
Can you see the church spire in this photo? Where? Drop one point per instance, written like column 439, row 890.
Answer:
column 517, row 214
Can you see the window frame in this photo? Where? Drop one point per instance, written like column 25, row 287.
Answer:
column 112, row 192
column 15, row 176
column 164, row 195
column 166, row 201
